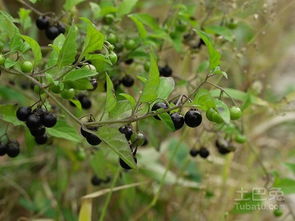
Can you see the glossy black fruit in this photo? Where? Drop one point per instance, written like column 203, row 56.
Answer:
column 165, row 71
column 61, row 28
column 127, row 81
column 12, row 149
column 38, row 132
column 178, row 120
column 95, row 181
column 42, row 22
column 94, row 84
column 127, row 131
column 194, row 152
column 145, row 142
column 193, row 118
column 41, row 140
column 85, row 133
column 222, row 147
column 23, row 113
column 33, row 121
column 93, row 139
column 48, row 119
column 157, row 106
column 125, row 165
column 204, row 152
column 85, row 102
column 52, row 32
column 129, row 61
column 3, row 149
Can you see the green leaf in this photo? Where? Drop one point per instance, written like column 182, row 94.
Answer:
column 69, row 49
column 64, row 131
column 130, row 99
column 94, row 38
column 220, row 30
column 81, row 84
column 249, row 203
column 217, row 70
column 214, row 55
column 153, row 82
column 69, row 4
column 78, row 74
column 111, row 100
column 204, row 100
column 126, row 7
column 77, row 103
column 291, row 166
column 166, row 87
column 223, row 110
column 140, row 27
column 53, row 57
column 286, row 185
column 166, row 119
column 7, row 113
column 24, row 18
column 117, row 142
column 35, row 48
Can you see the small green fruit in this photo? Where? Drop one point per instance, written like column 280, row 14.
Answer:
column 26, row 66
column 130, row 44
column 90, row 67
column 113, row 57
column 112, row 38
column 277, row 212
column 68, row 94
column 80, row 154
column 240, row 138
column 109, row 19
column 214, row 116
column 55, row 88
column 235, row 113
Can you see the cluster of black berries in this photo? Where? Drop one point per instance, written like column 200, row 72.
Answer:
column 91, row 138
column 192, row 118
column 11, row 148
column 96, row 181
column 51, row 30
column 37, row 120
column 203, row 152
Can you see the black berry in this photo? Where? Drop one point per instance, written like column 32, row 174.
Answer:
column 3, row 149
column 95, row 181
column 194, row 152
column 127, row 131
column 94, row 84
column 85, row 102
column 37, row 132
column 93, row 139
column 33, row 121
column 125, row 165
column 49, row 119
column 145, row 142
column 42, row 22
column 52, row 32
column 204, row 152
column 41, row 140
column 61, row 28
column 127, row 81
column 157, row 106
column 129, row 61
column 12, row 149
column 222, row 147
column 23, row 113
column 178, row 120
column 165, row 71
column 193, row 118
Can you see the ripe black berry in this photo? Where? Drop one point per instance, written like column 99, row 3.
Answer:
column 42, row 22
column 194, row 152
column 157, row 106
column 125, row 165
column 222, row 147
column 193, row 118
column 52, row 32
column 33, row 121
column 93, row 139
column 12, row 149
column 95, row 181
column 38, row 132
column 94, row 84
column 165, row 71
column 23, row 113
column 178, row 120
column 41, row 140
column 204, row 152
column 127, row 131
column 61, row 28
column 3, row 149
column 85, row 133
column 127, row 81
column 145, row 142
column 85, row 102
column 48, row 119
column 129, row 61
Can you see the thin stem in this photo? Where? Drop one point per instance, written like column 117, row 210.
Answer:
column 31, row 8
column 223, row 91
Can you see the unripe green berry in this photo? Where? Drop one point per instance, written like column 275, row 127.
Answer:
column 26, row 66
column 113, row 57
column 235, row 113
column 240, row 138
column 2, row 59
column 112, row 38
column 68, row 93
column 130, row 44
